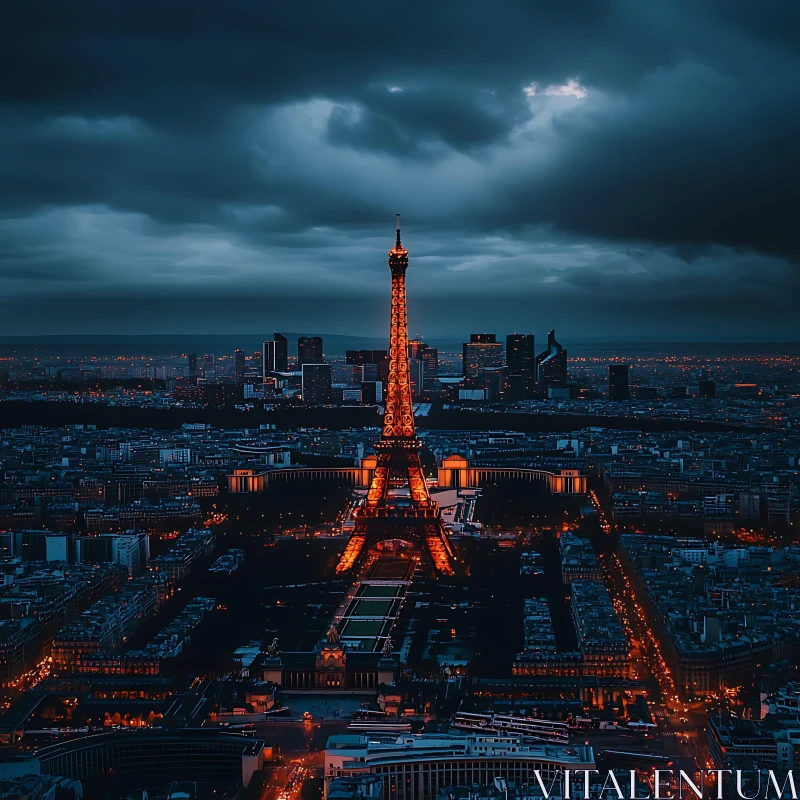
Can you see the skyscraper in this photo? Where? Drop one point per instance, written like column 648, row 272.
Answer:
column 275, row 355
column 366, row 372
column 416, row 347
column 267, row 360
column 238, row 366
column 416, row 374
column 371, row 392
column 192, row 360
column 430, row 355
column 520, row 354
column 309, row 350
column 316, row 385
column 360, row 358
column 483, row 351
column 281, row 360
column 521, row 363
column 209, row 367
column 552, row 364
column 428, row 358
column 618, row 385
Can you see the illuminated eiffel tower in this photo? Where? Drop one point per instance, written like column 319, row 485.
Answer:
column 398, row 462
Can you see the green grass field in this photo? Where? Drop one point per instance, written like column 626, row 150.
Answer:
column 372, row 608
column 379, row 591
column 363, row 627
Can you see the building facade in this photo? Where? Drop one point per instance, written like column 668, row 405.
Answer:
column 552, row 364
column 309, row 350
column 418, row 767
column 481, row 352
column 316, row 387
column 618, row 386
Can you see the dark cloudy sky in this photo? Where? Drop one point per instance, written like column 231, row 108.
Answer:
column 607, row 167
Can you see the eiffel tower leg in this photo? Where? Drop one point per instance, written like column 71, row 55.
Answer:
column 417, row 485
column 439, row 547
column 351, row 552
column 379, row 488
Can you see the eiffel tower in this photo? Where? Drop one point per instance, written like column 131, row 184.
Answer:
column 398, row 463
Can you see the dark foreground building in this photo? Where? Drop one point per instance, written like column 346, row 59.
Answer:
column 618, row 387
column 152, row 757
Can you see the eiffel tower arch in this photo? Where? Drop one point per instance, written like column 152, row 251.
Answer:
column 398, row 454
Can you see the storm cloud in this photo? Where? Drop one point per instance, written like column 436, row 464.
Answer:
column 608, row 167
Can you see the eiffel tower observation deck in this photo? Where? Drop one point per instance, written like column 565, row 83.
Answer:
column 382, row 517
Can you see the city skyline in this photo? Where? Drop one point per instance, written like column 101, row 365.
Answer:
column 626, row 170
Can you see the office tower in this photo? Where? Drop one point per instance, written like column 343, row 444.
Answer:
column 275, row 355
column 281, row 359
column 267, row 360
column 515, row 388
column 192, row 359
column 357, row 357
column 552, row 364
column 428, row 359
column 371, row 393
column 492, row 380
column 366, row 372
column 520, row 354
column 521, row 363
column 708, row 389
column 618, row 386
column 416, row 347
column 419, row 351
column 416, row 372
column 430, row 355
column 483, row 351
column 309, row 350
column 316, row 386
column 383, row 369
column 380, row 358
column 209, row 367
column 238, row 366
column 256, row 369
